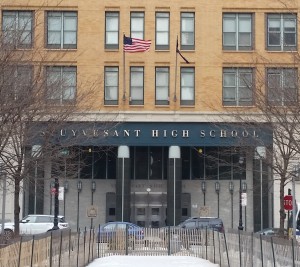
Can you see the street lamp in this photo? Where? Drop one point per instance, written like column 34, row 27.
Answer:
column 56, row 205
column 231, row 189
column 79, row 188
column 241, row 161
column 217, row 188
column 203, row 186
column 244, row 189
column 66, row 188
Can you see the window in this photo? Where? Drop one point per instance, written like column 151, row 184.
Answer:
column 162, row 34
column 111, row 81
column 136, row 86
column 187, row 31
column 17, row 28
column 61, row 84
column 162, row 85
column 17, row 83
column 137, row 25
column 282, row 32
column 187, row 86
column 237, row 32
column 237, row 86
column 282, row 86
column 112, row 30
column 62, row 30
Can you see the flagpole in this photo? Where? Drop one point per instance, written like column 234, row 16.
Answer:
column 124, row 82
column 175, row 97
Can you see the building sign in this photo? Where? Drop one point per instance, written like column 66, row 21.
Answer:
column 151, row 133
column 92, row 212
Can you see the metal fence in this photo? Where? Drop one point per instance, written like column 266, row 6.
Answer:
column 53, row 249
column 232, row 248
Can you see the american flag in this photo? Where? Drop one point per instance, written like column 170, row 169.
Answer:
column 133, row 45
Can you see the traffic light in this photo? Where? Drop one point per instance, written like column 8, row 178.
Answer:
column 289, row 191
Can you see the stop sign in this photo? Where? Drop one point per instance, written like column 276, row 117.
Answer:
column 288, row 202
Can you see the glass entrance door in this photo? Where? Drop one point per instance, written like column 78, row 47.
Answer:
column 150, row 216
column 149, row 209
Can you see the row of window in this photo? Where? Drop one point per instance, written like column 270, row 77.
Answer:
column 151, row 163
column 238, row 30
column 61, row 84
column 238, row 86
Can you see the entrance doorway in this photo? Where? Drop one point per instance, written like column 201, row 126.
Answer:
column 149, row 209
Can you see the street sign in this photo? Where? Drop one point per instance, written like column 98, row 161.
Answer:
column 244, row 199
column 288, row 202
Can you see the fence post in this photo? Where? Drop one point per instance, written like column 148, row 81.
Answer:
column 20, row 249
column 169, row 238
column 261, row 251
column 240, row 252
column 293, row 252
column 272, row 245
column 220, row 259
column 32, row 249
column 213, row 232
column 89, row 246
column 252, row 248
column 206, row 242
column 78, row 240
column 126, row 240
column 84, row 243
column 60, row 247
column 226, row 250
column 98, row 245
column 51, row 235
column 70, row 245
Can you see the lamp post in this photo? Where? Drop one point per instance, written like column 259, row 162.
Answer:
column 241, row 161
column 56, row 204
column 244, row 188
column 52, row 187
column 36, row 151
column 203, row 187
column 148, row 208
column 231, row 189
column 217, row 188
column 79, row 188
column 66, row 188
column 93, row 188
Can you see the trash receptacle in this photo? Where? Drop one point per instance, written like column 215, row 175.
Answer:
column 175, row 245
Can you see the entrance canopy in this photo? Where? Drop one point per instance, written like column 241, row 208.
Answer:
column 156, row 134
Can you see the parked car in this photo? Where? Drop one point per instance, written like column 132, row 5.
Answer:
column 271, row 232
column 34, row 224
column 108, row 230
column 213, row 223
column 190, row 232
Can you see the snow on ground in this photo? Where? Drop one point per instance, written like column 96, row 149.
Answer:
column 150, row 261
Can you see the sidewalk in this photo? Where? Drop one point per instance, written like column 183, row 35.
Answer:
column 151, row 261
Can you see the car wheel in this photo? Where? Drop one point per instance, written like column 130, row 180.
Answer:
column 8, row 234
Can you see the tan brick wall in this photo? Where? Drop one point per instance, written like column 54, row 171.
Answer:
column 208, row 57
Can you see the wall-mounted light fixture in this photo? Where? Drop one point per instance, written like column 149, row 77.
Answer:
column 93, row 186
column 217, row 187
column 203, row 186
column 244, row 186
column 231, row 187
column 79, row 186
column 66, row 186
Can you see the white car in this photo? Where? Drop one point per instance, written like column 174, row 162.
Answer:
column 34, row 224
